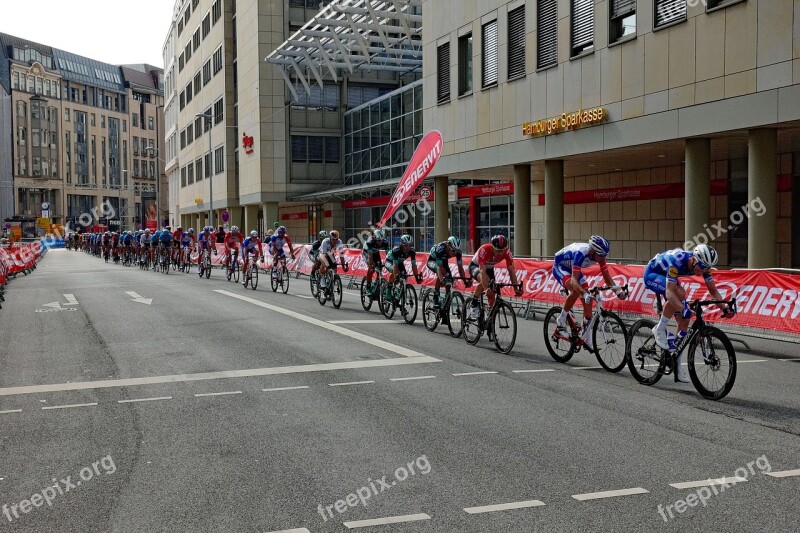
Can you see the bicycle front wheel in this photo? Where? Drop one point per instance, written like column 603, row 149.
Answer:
column 285, row 279
column 646, row 361
column 366, row 297
column 236, row 271
column 254, row 279
column 560, row 341
column 273, row 278
column 387, row 300
column 504, row 327
column 430, row 311
column 410, row 306
column 455, row 310
column 609, row 336
column 207, row 267
column 313, row 280
column 336, row 291
column 712, row 363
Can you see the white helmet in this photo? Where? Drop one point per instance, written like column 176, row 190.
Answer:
column 706, row 256
column 407, row 240
column 254, row 233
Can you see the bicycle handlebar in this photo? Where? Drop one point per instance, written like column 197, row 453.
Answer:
column 703, row 303
column 595, row 290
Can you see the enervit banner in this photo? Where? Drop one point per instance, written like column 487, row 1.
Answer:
column 425, row 157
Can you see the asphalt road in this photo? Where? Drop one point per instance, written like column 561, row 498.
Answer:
column 215, row 408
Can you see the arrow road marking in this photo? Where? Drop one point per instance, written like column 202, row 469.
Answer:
column 54, row 305
column 71, row 299
column 137, row 298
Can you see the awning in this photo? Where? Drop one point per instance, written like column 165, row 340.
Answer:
column 343, row 193
column 353, row 34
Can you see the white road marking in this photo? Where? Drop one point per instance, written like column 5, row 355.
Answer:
column 71, row 299
column 609, row 494
column 9, row 411
column 295, row 530
column 224, row 374
column 137, row 298
column 384, row 321
column 145, row 399
column 285, row 388
column 387, row 520
column 331, row 327
column 203, row 394
column 474, row 373
column 784, row 473
column 585, row 367
column 530, row 371
column 794, row 359
column 305, row 298
column 503, row 507
column 69, row 406
column 755, row 361
column 53, row 305
column 708, row 482
column 349, row 383
column 409, row 379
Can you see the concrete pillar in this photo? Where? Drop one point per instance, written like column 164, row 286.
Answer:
column 250, row 218
column 697, row 187
column 522, row 210
column 441, row 209
column 553, row 206
column 762, row 195
column 270, row 215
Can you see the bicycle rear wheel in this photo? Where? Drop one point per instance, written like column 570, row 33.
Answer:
column 207, row 267
column 646, row 361
column 609, row 336
column 560, row 342
column 254, row 275
column 455, row 311
column 284, row 279
column 409, row 307
column 430, row 311
column 387, row 300
column 712, row 364
column 236, row 270
column 504, row 327
column 273, row 278
column 472, row 328
column 336, row 291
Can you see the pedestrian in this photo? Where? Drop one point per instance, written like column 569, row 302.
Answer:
column 220, row 235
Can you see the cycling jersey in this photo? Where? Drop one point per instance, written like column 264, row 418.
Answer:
column 573, row 258
column 277, row 243
column 250, row 245
column 186, row 240
column 440, row 256
column 667, row 267
column 374, row 246
column 205, row 240
column 233, row 239
column 154, row 238
column 315, row 246
column 165, row 237
column 127, row 240
column 487, row 256
column 327, row 250
column 398, row 254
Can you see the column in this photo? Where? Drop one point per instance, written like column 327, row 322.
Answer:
column 553, row 206
column 762, row 195
column 250, row 218
column 522, row 210
column 697, row 188
column 441, row 210
column 271, row 215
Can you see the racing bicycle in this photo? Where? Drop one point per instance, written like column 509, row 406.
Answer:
column 279, row 275
column 399, row 294
column 446, row 311
column 499, row 322
column 330, row 287
column 250, row 272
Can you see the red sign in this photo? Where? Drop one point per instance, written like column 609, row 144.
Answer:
column 492, row 189
column 247, row 143
column 151, row 225
column 425, row 157
column 294, row 216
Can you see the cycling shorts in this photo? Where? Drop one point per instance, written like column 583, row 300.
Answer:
column 475, row 270
column 655, row 281
column 561, row 275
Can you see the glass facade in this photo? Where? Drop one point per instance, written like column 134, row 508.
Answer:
column 381, row 135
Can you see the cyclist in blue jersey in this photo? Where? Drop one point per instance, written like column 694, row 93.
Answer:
column 567, row 270
column 661, row 276
column 205, row 241
column 251, row 245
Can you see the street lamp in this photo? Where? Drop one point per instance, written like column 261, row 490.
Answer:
column 207, row 117
column 119, row 198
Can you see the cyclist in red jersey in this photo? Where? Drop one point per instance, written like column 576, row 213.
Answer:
column 232, row 240
column 481, row 268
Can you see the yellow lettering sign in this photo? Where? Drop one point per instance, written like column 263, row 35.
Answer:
column 565, row 122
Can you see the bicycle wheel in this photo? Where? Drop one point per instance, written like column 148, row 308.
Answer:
column 387, row 300
column 324, row 288
column 207, row 267
column 473, row 329
column 430, row 311
column 646, row 361
column 285, row 279
column 560, row 342
column 236, row 270
column 228, row 269
column 712, row 363
column 246, row 276
column 254, row 276
column 609, row 336
column 313, row 279
column 504, row 327
column 336, row 291
column 273, row 278
column 410, row 305
column 456, row 310
column 366, row 298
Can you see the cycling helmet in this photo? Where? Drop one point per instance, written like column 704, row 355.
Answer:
column 599, row 245
column 706, row 256
column 147, row 230
column 167, row 228
column 378, row 234
column 334, row 234
column 407, row 240
column 234, row 229
column 281, row 230
column 322, row 234
column 454, row 242
column 500, row 242
column 179, row 228
column 254, row 233
column 191, row 231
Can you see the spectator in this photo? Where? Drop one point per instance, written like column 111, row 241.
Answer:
column 220, row 235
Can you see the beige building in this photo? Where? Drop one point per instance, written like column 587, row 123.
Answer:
column 648, row 121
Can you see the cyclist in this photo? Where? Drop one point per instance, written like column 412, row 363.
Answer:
column 127, row 242
column 330, row 246
column 232, row 240
column 187, row 243
column 313, row 252
column 395, row 259
column 372, row 252
column 661, row 276
column 567, row 265
column 481, row 268
column 249, row 246
column 155, row 238
column 144, row 244
column 277, row 242
column 165, row 239
column 205, row 241
column 177, row 236
column 438, row 262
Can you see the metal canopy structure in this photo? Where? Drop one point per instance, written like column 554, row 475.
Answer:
column 349, row 191
column 353, row 34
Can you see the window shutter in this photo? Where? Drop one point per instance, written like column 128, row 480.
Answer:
column 547, row 29
column 516, row 42
column 490, row 53
column 668, row 11
column 582, row 24
column 620, row 8
column 443, row 73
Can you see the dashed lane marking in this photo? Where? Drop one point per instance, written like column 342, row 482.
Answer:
column 349, row 383
column 474, row 373
column 503, row 507
column 708, row 482
column 784, row 473
column 609, row 494
column 145, row 399
column 585, row 367
column 228, row 393
column 531, row 371
column 9, row 411
column 412, row 378
column 387, row 520
column 384, row 321
column 303, row 296
column 69, row 406
column 286, row 388
column 295, row 530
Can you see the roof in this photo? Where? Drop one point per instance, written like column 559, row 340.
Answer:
column 353, row 34
column 348, row 191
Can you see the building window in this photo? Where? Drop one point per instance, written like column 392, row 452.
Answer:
column 183, row 177
column 206, row 73
column 188, row 51
column 713, row 4
column 198, row 169
column 669, row 11
column 206, row 25
column 188, row 91
column 219, row 160
column 622, row 20
column 216, row 11
column 582, row 26
column 465, row 64
column 190, row 173
column 547, row 33
column 443, row 73
column 217, row 60
column 152, row 168
column 183, row 139
column 150, row 123
column 315, row 149
column 489, row 47
column 207, row 165
column 181, row 62
column 135, row 120
column 516, row 43
column 196, row 39
column 135, row 168
column 66, row 114
column 183, row 101
column 189, row 133
column 197, row 85
column 218, row 111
